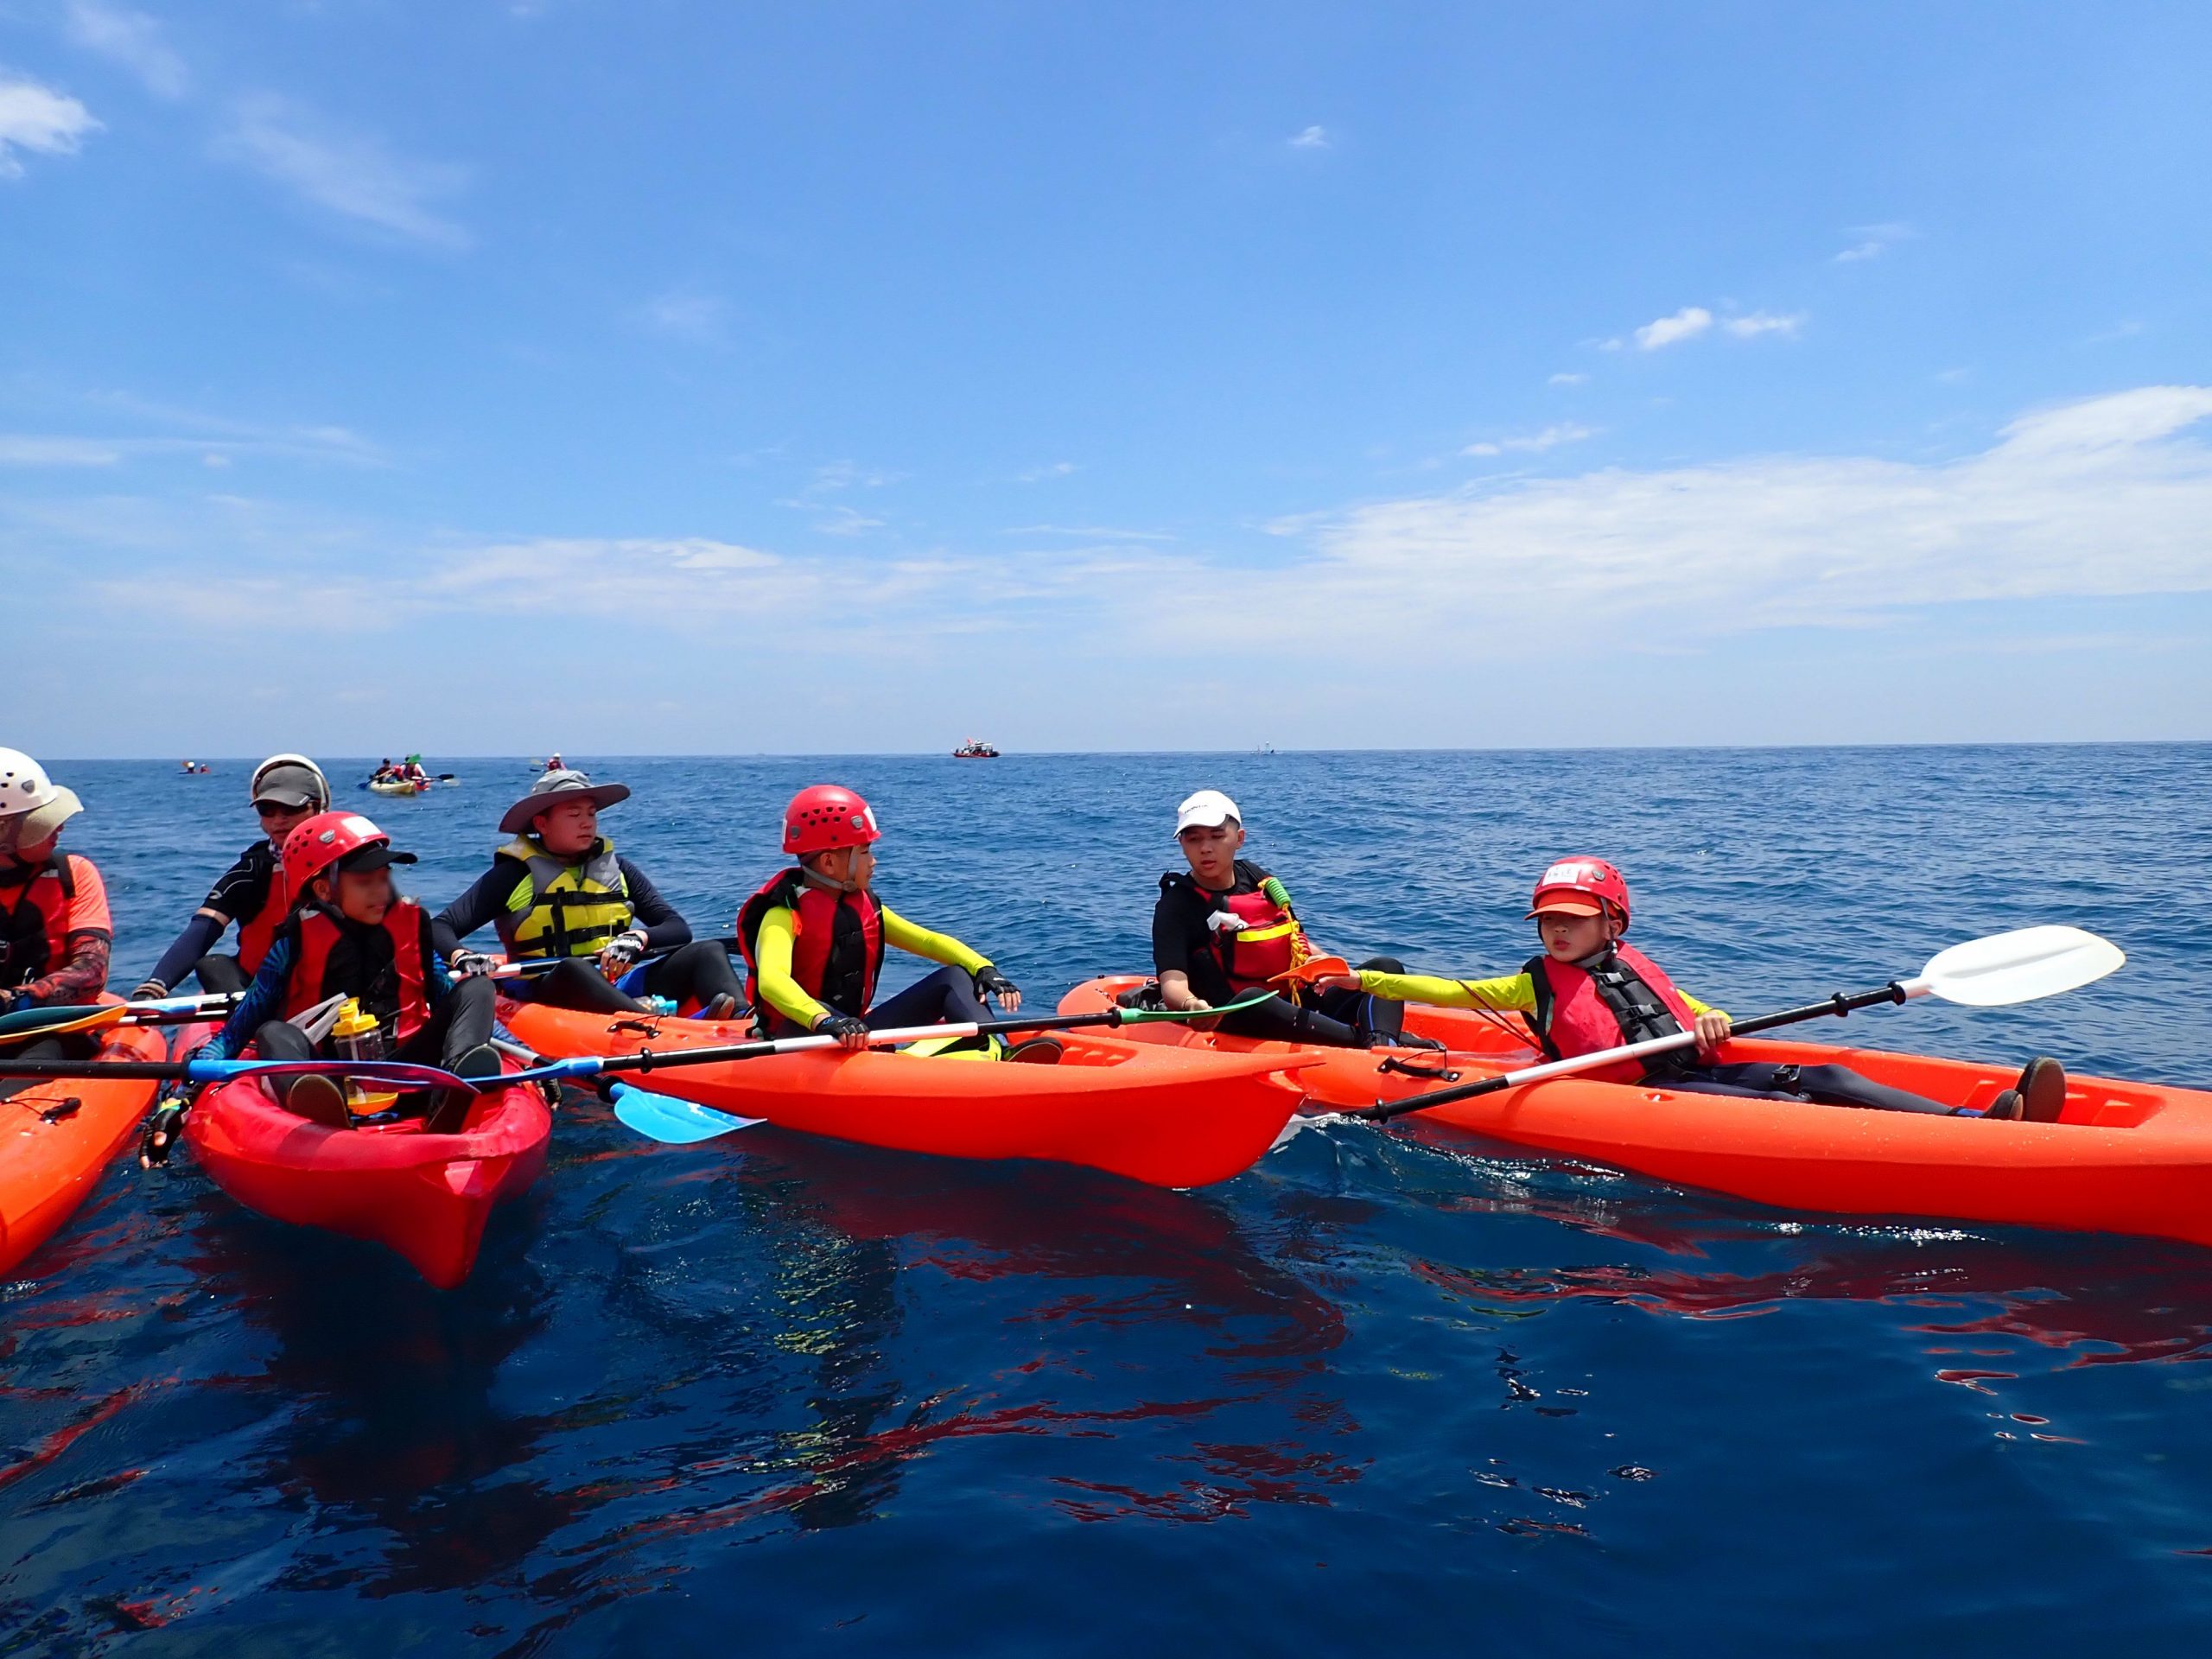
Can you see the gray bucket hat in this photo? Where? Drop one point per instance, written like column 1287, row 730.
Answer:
column 553, row 787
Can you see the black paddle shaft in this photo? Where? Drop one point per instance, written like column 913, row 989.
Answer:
column 1839, row 1005
column 645, row 1058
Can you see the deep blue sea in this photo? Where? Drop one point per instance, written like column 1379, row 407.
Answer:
column 1406, row 1392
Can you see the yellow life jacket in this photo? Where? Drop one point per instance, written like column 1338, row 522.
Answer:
column 560, row 909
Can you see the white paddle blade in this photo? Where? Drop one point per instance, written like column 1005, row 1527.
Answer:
column 2020, row 966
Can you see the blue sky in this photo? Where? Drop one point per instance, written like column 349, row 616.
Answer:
column 484, row 377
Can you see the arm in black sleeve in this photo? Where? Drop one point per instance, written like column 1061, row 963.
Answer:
column 198, row 939
column 478, row 907
column 1171, row 933
column 663, row 929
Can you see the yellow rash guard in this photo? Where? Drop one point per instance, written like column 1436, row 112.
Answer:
column 1515, row 994
column 773, row 953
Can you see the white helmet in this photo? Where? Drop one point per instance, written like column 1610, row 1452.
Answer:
column 32, row 805
column 316, row 780
column 24, row 784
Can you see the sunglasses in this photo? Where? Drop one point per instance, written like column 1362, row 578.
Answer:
column 275, row 809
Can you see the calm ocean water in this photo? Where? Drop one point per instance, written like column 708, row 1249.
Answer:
column 1417, row 1391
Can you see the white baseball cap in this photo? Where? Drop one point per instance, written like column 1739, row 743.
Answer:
column 1208, row 807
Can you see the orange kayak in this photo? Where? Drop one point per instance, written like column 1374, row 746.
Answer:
column 2123, row 1158
column 425, row 1195
column 57, row 1138
column 1162, row 1115
column 1476, row 1045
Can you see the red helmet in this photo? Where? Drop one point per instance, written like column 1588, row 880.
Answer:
column 1582, row 887
column 825, row 817
column 323, row 840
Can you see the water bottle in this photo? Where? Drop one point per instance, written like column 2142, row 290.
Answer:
column 356, row 1035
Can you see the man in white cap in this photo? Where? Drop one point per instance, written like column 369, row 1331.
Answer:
column 1224, row 927
column 55, row 931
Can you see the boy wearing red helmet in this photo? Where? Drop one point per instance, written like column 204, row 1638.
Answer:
column 814, row 937
column 1589, row 992
column 349, row 933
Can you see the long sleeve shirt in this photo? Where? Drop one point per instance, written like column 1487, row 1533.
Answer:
column 772, row 959
column 1515, row 994
column 486, row 901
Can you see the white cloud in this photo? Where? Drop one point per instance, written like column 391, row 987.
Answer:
column 38, row 119
column 1686, row 324
column 1565, row 379
column 133, row 39
column 1751, row 326
column 1874, row 241
column 1054, row 469
column 217, row 442
column 2103, row 497
column 1534, row 442
column 1311, row 138
column 31, row 449
column 685, row 313
column 354, row 175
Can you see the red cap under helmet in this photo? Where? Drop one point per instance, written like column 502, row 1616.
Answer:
column 824, row 818
column 322, row 841
column 1592, row 881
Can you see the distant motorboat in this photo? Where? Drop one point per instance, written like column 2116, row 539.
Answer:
column 974, row 748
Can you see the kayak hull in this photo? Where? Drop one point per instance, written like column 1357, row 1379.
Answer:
column 425, row 1195
column 1160, row 1116
column 1476, row 1045
column 398, row 788
column 2124, row 1157
column 49, row 1165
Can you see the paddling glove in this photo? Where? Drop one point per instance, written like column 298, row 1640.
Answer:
column 991, row 982
column 151, row 990
column 627, row 948
column 841, row 1026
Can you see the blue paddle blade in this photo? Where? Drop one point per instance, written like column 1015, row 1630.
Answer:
column 671, row 1121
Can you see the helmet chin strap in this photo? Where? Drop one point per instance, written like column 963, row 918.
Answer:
column 821, row 881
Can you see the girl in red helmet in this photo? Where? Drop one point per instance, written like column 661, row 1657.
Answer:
column 814, row 937
column 1589, row 991
column 350, row 933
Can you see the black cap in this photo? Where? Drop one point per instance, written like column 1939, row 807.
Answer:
column 378, row 857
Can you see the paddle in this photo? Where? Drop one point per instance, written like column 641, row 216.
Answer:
column 62, row 1018
column 645, row 1060
column 401, row 1072
column 2022, row 966
column 532, row 965
column 671, row 1121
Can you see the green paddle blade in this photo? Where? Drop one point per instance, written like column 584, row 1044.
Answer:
column 1155, row 1016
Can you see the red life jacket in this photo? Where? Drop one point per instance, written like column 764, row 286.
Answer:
column 35, row 922
column 257, row 932
column 1624, row 999
column 1251, row 957
column 836, row 945
column 326, row 963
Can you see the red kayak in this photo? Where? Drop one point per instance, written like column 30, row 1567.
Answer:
column 426, row 1196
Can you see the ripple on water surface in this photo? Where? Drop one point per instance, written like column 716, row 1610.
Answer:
column 1418, row 1387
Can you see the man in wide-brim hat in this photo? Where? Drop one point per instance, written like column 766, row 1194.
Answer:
column 558, row 891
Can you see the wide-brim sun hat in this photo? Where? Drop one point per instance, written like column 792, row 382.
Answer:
column 28, row 829
column 553, row 787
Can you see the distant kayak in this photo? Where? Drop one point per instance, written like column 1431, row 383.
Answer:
column 58, row 1138
column 2124, row 1157
column 1158, row 1115
column 397, row 786
column 424, row 1196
